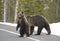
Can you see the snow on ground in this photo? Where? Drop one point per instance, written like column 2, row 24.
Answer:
column 11, row 24
column 55, row 27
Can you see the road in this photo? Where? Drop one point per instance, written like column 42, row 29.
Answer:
column 8, row 33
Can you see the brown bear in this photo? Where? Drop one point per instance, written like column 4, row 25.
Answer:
column 32, row 21
column 23, row 25
column 39, row 21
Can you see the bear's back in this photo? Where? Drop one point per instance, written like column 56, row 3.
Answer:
column 35, row 20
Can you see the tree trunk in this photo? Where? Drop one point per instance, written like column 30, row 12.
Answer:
column 17, row 4
column 5, row 9
column 57, row 7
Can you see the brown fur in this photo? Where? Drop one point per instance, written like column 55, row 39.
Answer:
column 36, row 20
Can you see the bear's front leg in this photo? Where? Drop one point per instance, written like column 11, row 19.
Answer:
column 31, row 30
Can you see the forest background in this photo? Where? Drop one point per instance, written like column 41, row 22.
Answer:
column 47, row 8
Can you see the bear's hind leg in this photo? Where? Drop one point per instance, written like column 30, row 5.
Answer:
column 48, row 30
column 27, row 32
column 22, row 32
